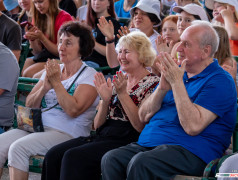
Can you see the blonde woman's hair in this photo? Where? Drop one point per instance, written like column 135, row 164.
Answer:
column 41, row 22
column 139, row 42
column 224, row 50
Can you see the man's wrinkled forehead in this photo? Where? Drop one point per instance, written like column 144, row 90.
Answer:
column 191, row 31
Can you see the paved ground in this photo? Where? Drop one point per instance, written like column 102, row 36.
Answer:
column 32, row 176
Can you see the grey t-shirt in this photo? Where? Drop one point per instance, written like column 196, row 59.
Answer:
column 9, row 72
column 10, row 33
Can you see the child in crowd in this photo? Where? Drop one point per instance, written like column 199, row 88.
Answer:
column 97, row 9
column 186, row 15
column 225, row 13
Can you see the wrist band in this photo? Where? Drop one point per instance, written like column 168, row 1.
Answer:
column 111, row 41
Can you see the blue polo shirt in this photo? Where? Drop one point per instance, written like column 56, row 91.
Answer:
column 120, row 11
column 214, row 89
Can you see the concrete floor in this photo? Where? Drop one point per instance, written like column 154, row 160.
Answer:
column 32, row 176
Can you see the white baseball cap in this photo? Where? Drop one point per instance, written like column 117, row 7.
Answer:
column 210, row 3
column 149, row 6
column 192, row 9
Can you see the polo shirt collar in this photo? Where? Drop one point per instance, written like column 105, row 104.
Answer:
column 208, row 70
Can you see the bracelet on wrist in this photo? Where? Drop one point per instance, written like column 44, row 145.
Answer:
column 110, row 41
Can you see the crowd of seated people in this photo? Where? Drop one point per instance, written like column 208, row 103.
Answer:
column 175, row 58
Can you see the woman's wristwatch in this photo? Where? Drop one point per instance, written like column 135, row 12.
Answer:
column 110, row 41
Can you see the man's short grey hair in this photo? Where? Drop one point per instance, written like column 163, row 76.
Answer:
column 209, row 35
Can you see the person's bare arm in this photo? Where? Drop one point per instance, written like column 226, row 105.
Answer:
column 49, row 45
column 100, row 48
column 111, row 55
column 230, row 24
column 17, row 53
column 153, row 103
column 82, row 99
column 104, row 89
column 33, row 100
column 233, row 71
column 107, row 29
column 101, row 115
column 128, row 105
column 193, row 118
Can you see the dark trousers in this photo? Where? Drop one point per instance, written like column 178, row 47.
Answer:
column 76, row 159
column 134, row 162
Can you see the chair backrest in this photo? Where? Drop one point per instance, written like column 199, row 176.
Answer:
column 24, row 87
column 24, row 53
column 236, row 58
column 123, row 21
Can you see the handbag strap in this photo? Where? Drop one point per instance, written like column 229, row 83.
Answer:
column 68, row 88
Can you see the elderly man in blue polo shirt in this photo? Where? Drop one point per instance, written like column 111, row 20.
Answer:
column 189, row 118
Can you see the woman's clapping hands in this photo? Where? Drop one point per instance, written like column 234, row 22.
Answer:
column 53, row 72
column 120, row 83
column 104, row 88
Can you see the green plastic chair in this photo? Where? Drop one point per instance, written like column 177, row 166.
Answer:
column 124, row 21
column 24, row 53
column 236, row 58
column 107, row 70
column 25, row 85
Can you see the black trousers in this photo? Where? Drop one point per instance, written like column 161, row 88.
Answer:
column 76, row 159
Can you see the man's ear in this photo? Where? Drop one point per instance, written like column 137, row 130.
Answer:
column 206, row 51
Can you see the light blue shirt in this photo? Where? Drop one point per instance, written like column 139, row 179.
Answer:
column 120, row 11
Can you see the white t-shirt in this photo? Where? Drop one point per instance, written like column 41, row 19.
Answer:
column 56, row 118
column 82, row 12
column 168, row 2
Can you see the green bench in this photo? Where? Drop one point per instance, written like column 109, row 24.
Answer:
column 24, row 87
